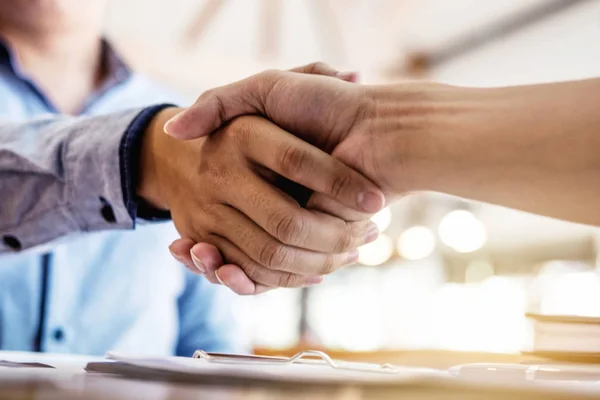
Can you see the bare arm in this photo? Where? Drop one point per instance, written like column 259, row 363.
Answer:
column 534, row 148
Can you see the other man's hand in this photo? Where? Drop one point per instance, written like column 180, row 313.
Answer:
column 339, row 117
column 220, row 191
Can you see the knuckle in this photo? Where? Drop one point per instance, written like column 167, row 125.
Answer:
column 269, row 86
column 328, row 265
column 252, row 271
column 270, row 77
column 240, row 129
column 293, row 162
column 216, row 171
column 207, row 94
column 317, row 67
column 274, row 255
column 339, row 184
column 286, row 280
column 210, row 217
column 288, row 228
column 213, row 211
column 344, row 241
column 271, row 73
column 213, row 97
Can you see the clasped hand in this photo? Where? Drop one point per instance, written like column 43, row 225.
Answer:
column 230, row 191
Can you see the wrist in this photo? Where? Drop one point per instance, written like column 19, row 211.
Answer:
column 413, row 120
column 149, row 187
column 449, row 118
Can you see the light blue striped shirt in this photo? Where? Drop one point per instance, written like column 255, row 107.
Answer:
column 102, row 285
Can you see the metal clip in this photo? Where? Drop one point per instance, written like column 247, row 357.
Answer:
column 308, row 357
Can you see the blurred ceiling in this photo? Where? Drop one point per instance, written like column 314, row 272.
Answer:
column 194, row 45
column 214, row 41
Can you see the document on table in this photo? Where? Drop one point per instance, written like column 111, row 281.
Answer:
column 267, row 369
column 311, row 367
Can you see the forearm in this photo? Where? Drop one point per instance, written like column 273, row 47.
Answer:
column 63, row 175
column 534, row 148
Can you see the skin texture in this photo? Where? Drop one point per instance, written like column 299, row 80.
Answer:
column 222, row 190
column 52, row 39
column 533, row 148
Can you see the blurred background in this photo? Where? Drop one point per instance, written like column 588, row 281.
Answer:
column 446, row 274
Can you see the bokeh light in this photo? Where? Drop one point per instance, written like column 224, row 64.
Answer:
column 377, row 252
column 383, row 219
column 416, row 242
column 462, row 231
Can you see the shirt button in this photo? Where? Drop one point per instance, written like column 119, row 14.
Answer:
column 107, row 211
column 12, row 242
column 58, row 335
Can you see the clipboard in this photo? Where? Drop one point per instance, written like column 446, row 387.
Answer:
column 308, row 357
column 306, row 367
column 310, row 368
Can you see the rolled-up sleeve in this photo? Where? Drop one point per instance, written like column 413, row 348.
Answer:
column 64, row 175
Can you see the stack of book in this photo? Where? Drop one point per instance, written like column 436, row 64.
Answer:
column 565, row 338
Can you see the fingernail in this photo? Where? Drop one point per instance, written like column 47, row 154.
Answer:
column 219, row 278
column 175, row 256
column 198, row 263
column 352, row 257
column 370, row 202
column 169, row 124
column 315, row 280
column 372, row 233
column 347, row 76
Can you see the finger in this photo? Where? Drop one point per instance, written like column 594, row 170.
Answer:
column 352, row 77
column 268, row 252
column 234, row 278
column 270, row 146
column 180, row 250
column 217, row 106
column 282, row 218
column 320, row 68
column 256, row 273
column 207, row 258
column 328, row 205
column 317, row 68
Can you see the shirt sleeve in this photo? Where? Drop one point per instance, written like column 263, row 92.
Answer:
column 210, row 319
column 130, row 148
column 66, row 175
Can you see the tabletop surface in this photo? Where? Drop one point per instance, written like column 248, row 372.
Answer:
column 69, row 381
column 27, row 385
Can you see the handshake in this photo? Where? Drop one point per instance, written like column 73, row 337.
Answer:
column 271, row 181
column 276, row 180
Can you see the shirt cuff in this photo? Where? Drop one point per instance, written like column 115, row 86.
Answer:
column 129, row 161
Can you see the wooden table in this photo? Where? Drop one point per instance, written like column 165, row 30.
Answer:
column 74, row 383
column 54, row 385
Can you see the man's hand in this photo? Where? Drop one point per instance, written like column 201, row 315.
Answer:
column 497, row 145
column 220, row 191
column 339, row 117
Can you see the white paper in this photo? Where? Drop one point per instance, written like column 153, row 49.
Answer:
column 300, row 373
column 62, row 362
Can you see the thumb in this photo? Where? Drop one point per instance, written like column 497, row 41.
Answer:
column 218, row 106
column 320, row 68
